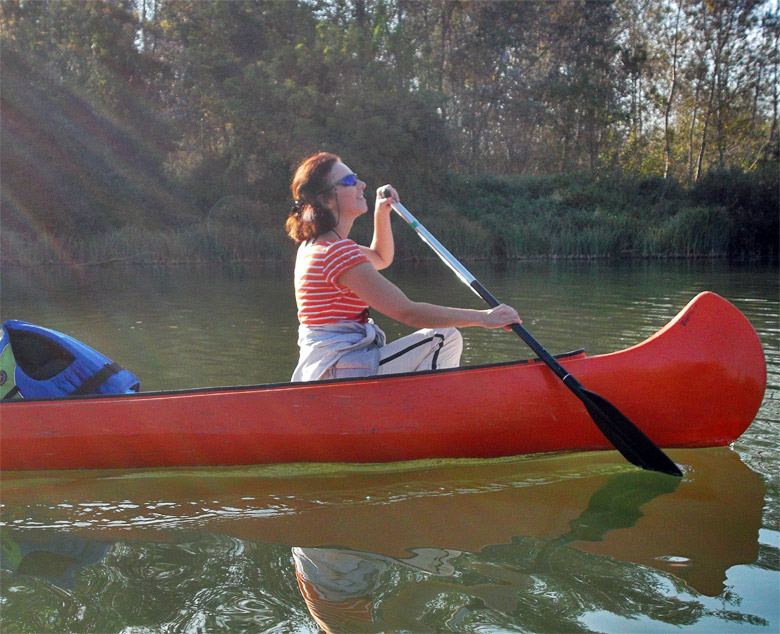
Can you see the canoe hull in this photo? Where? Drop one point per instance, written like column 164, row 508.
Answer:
column 697, row 382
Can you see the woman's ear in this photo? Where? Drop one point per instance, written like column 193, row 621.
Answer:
column 326, row 199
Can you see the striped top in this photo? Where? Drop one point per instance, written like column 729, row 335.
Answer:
column 321, row 300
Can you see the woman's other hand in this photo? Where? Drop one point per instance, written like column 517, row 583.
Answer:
column 502, row 316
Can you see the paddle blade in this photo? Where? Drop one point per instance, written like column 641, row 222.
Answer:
column 627, row 438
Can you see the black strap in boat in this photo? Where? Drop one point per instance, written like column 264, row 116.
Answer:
column 11, row 393
column 97, row 379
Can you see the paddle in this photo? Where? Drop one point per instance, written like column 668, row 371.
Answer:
column 627, row 438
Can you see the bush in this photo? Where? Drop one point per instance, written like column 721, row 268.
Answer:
column 694, row 231
column 751, row 201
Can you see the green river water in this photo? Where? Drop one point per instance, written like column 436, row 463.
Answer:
column 556, row 543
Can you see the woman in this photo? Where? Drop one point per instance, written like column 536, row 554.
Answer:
column 336, row 281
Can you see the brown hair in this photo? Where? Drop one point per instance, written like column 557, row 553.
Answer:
column 309, row 217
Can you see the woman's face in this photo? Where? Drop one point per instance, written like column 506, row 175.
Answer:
column 349, row 199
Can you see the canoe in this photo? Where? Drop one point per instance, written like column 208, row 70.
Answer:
column 697, row 382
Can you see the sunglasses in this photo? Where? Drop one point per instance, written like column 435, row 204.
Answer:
column 348, row 181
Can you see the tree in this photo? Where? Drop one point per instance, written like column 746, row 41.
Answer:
column 82, row 145
column 261, row 84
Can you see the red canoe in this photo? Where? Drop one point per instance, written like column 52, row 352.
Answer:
column 697, row 382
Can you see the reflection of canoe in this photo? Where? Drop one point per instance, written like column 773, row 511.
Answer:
column 697, row 382
column 702, row 529
column 592, row 502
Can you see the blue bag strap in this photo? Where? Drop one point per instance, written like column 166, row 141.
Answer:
column 96, row 380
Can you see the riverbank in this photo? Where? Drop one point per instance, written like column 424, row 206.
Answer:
column 209, row 245
column 495, row 218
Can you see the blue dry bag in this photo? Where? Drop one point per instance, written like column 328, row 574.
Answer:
column 37, row 362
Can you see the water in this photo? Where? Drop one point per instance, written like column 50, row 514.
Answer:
column 558, row 543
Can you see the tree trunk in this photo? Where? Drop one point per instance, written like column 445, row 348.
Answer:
column 691, row 130
column 708, row 115
column 670, row 98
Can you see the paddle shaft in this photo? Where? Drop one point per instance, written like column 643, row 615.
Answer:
column 475, row 285
column 627, row 438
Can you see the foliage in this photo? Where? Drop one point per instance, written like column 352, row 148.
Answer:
column 752, row 205
column 82, row 147
column 281, row 85
column 733, row 214
column 607, row 120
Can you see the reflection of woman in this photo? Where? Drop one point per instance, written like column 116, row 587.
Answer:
column 337, row 280
column 339, row 586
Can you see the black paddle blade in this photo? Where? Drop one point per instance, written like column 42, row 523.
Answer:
column 627, row 438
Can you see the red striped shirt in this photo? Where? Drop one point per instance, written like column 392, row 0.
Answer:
column 322, row 300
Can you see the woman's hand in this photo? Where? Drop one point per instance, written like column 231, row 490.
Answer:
column 385, row 195
column 382, row 249
column 385, row 297
column 502, row 316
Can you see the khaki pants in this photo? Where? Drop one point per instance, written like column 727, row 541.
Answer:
column 427, row 349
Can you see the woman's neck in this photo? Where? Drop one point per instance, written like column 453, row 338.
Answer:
column 340, row 231
column 328, row 236
column 343, row 228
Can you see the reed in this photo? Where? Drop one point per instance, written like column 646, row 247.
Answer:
column 568, row 216
column 693, row 232
column 135, row 245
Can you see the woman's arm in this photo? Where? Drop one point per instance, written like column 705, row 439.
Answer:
column 382, row 295
column 382, row 249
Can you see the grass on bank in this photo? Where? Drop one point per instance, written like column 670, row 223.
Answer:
column 198, row 243
column 692, row 232
column 497, row 218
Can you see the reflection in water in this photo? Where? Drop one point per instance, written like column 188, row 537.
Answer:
column 616, row 505
column 543, row 544
column 341, row 587
column 52, row 557
column 337, row 586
